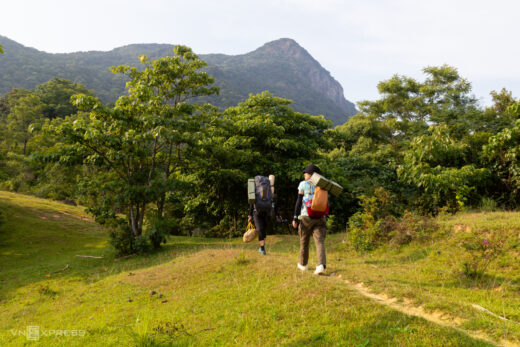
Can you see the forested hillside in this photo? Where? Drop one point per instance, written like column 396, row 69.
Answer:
column 159, row 162
column 282, row 67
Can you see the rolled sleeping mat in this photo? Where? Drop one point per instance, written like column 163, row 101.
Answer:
column 271, row 179
column 326, row 184
column 251, row 197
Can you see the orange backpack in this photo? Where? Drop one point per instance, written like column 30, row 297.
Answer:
column 319, row 205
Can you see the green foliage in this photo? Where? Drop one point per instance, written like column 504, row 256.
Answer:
column 121, row 239
column 503, row 154
column 482, row 248
column 164, row 164
column 27, row 110
column 368, row 227
column 56, row 94
column 498, row 116
column 411, row 227
column 138, row 145
column 15, row 172
column 436, row 164
column 261, row 135
column 444, row 97
column 158, row 231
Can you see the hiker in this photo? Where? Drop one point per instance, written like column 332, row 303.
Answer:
column 263, row 210
column 315, row 226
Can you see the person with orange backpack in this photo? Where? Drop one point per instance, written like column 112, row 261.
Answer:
column 310, row 220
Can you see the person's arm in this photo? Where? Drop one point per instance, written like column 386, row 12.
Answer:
column 297, row 208
column 251, row 209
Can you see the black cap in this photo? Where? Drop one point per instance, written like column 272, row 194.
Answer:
column 311, row 169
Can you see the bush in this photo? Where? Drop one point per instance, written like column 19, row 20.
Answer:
column 363, row 231
column 123, row 240
column 158, row 231
column 482, row 247
column 369, row 227
column 488, row 205
column 411, row 227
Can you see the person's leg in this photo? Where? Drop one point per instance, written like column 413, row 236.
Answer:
column 265, row 227
column 260, row 228
column 305, row 234
column 319, row 234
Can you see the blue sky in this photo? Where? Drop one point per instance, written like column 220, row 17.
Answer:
column 359, row 42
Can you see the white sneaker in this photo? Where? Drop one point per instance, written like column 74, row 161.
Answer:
column 319, row 270
column 301, row 267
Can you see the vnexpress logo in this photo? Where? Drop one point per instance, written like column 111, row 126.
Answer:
column 34, row 332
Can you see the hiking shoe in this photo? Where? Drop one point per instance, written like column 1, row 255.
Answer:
column 301, row 267
column 261, row 250
column 320, row 269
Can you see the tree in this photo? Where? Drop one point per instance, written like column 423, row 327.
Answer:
column 503, row 155
column 444, row 97
column 24, row 112
column 56, row 94
column 437, row 165
column 262, row 135
column 138, row 144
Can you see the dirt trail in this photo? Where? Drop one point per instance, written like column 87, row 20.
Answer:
column 437, row 317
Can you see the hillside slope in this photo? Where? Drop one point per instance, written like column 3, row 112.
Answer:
column 283, row 67
column 199, row 291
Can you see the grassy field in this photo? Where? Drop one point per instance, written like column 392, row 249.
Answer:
column 199, row 291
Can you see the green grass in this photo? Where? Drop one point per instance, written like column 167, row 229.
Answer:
column 429, row 274
column 199, row 291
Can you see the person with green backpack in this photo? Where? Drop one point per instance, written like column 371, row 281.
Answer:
column 311, row 222
column 262, row 207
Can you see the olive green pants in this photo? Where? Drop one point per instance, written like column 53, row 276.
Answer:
column 318, row 229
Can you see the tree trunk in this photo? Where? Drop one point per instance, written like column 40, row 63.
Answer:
column 134, row 218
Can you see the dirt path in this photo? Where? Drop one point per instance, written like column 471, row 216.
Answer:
column 407, row 307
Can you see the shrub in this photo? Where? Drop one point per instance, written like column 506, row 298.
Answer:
column 482, row 247
column 488, row 205
column 411, row 227
column 369, row 227
column 363, row 231
column 125, row 243
column 158, row 231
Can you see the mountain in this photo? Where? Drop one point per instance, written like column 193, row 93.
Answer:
column 283, row 67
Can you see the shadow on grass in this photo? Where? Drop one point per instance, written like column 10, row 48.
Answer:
column 484, row 281
column 90, row 270
column 391, row 328
column 414, row 256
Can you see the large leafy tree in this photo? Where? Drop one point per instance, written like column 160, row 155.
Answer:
column 137, row 145
column 503, row 154
column 25, row 111
column 437, row 164
column 56, row 94
column 443, row 97
column 260, row 136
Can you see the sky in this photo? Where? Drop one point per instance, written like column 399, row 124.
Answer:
column 359, row 42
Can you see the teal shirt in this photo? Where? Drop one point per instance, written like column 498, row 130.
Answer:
column 308, row 193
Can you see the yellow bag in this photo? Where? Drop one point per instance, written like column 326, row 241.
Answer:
column 250, row 234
